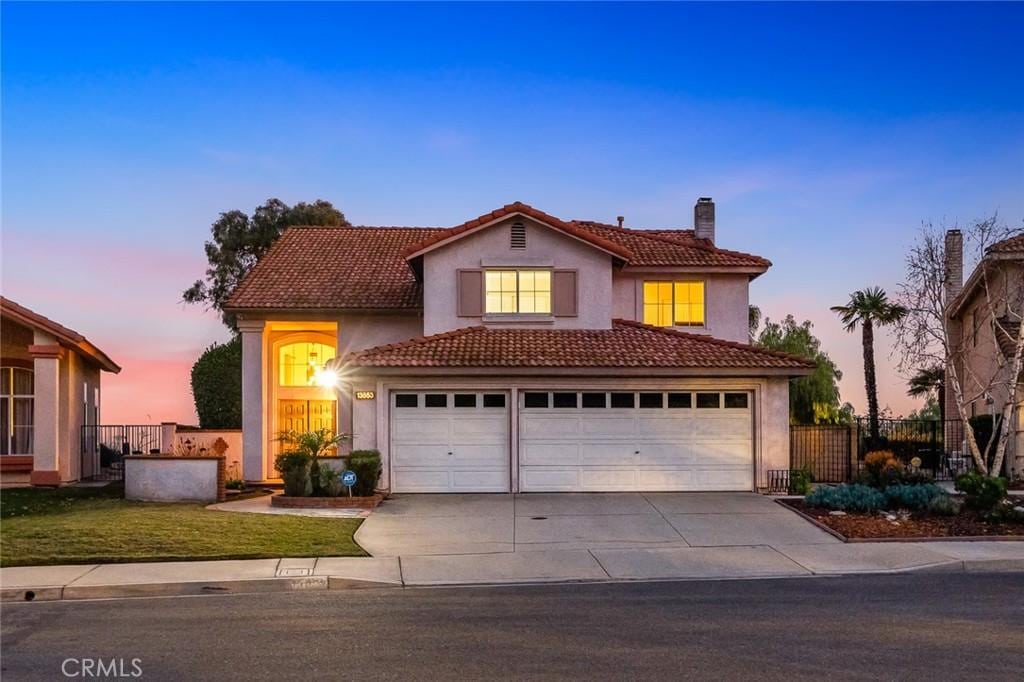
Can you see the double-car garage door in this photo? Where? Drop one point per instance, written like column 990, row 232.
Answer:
column 452, row 441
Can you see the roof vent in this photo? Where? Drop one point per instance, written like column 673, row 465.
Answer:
column 621, row 219
column 518, row 236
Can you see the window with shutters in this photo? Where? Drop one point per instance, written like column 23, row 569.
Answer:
column 517, row 291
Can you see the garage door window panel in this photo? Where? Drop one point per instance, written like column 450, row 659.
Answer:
column 709, row 401
column 435, row 400
column 652, row 401
column 595, row 400
column 406, row 400
column 535, row 400
column 564, row 400
column 624, row 400
column 494, row 400
column 736, row 401
column 465, row 400
column 680, row 401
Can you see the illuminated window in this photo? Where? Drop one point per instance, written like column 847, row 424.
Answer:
column 518, row 291
column 299, row 364
column 674, row 304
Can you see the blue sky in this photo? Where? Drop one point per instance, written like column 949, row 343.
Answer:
column 825, row 133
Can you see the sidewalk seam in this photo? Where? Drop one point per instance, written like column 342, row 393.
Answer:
column 591, row 553
column 789, row 558
column 665, row 519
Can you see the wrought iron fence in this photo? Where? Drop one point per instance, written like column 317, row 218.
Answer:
column 105, row 446
column 824, row 450
column 936, row 448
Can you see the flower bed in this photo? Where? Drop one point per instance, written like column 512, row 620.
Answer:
column 860, row 526
column 341, row 502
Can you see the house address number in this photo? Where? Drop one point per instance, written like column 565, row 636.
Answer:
column 365, row 395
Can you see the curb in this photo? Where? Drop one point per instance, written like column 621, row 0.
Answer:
column 178, row 589
column 314, row 583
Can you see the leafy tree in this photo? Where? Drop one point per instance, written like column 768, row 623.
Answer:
column 868, row 308
column 813, row 399
column 929, row 412
column 239, row 241
column 930, row 383
column 217, row 386
column 753, row 321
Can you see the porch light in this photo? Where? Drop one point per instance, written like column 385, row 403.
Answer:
column 325, row 377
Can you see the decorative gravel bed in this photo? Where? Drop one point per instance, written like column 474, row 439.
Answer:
column 856, row 525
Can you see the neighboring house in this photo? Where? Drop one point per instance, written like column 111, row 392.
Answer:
column 516, row 352
column 49, row 389
column 982, row 354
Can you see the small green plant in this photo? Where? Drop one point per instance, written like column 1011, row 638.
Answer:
column 367, row 467
column 981, row 492
column 881, row 468
column 943, row 505
column 313, row 445
column 330, row 481
column 294, row 470
column 234, row 484
column 855, row 497
column 801, row 481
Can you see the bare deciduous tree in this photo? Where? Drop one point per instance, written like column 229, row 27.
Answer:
column 925, row 338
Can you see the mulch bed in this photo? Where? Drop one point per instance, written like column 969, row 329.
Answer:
column 875, row 526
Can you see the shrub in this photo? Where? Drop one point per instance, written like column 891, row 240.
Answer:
column 913, row 497
column 294, row 469
column 217, row 386
column 844, row 497
column 943, row 505
column 234, row 484
column 981, row 492
column 881, row 468
column 367, row 467
column 330, row 482
column 801, row 481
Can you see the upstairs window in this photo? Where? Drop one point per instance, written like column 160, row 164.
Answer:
column 517, row 291
column 301, row 364
column 674, row 304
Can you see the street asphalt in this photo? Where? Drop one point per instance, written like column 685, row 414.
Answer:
column 933, row 626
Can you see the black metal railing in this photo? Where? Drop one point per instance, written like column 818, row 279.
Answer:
column 822, row 449
column 104, row 447
column 936, row 448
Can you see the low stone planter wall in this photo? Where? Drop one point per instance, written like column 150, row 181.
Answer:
column 174, row 478
column 342, row 502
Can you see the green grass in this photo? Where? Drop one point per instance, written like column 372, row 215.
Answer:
column 94, row 525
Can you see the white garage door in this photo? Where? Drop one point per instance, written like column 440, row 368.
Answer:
column 449, row 441
column 642, row 441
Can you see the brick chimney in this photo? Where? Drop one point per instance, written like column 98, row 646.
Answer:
column 954, row 263
column 704, row 219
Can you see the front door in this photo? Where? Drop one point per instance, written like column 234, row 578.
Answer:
column 305, row 415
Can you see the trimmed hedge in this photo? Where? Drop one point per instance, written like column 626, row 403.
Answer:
column 217, row 386
column 367, row 467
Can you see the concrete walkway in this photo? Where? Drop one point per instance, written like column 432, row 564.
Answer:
column 261, row 505
column 426, row 540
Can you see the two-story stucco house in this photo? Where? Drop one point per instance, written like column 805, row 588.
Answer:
column 983, row 322
column 517, row 352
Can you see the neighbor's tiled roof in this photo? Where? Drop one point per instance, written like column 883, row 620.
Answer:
column 570, row 228
column 335, row 267
column 1011, row 245
column 366, row 267
column 627, row 344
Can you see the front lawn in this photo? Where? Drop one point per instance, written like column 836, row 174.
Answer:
column 94, row 525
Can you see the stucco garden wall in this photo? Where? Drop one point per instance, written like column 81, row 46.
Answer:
column 207, row 438
column 169, row 478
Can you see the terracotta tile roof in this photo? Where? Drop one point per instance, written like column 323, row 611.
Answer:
column 366, row 267
column 525, row 209
column 334, row 267
column 67, row 337
column 626, row 344
column 1011, row 245
column 672, row 247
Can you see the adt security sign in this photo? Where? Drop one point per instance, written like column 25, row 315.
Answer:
column 348, row 478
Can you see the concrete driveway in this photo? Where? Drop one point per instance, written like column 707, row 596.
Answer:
column 417, row 525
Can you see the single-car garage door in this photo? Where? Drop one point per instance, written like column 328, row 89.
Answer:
column 642, row 441
column 449, row 441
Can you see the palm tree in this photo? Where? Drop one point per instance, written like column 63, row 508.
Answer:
column 930, row 380
column 868, row 308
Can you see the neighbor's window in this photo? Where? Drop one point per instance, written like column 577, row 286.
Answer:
column 518, row 291
column 17, row 387
column 299, row 363
column 674, row 304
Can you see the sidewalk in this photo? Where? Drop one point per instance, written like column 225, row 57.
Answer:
column 542, row 566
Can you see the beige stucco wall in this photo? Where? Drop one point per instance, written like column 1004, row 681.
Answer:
column 490, row 247
column 175, row 479
column 205, row 438
column 771, row 409
column 726, row 300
